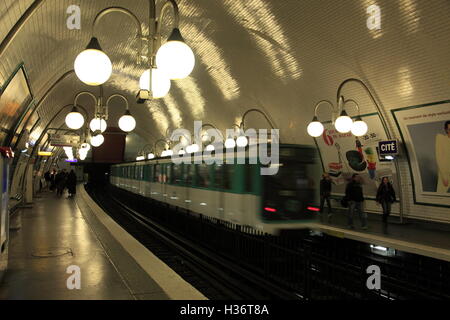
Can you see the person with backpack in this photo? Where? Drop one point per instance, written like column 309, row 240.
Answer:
column 385, row 197
column 354, row 196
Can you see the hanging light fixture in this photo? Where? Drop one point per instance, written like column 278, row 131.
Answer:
column 344, row 123
column 359, row 127
column 315, row 128
column 150, row 156
column 210, row 147
column 98, row 124
column 175, row 58
column 97, row 140
column 230, row 143
column 160, row 82
column 127, row 122
column 241, row 141
column 74, row 119
column 92, row 66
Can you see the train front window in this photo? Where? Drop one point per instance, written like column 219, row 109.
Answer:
column 289, row 193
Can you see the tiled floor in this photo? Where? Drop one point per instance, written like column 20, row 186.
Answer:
column 54, row 235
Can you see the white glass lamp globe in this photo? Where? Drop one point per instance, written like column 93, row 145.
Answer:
column 160, row 83
column 210, row 147
column 315, row 128
column 92, row 66
column 98, row 124
column 175, row 58
column 82, row 155
column 359, row 128
column 127, row 122
column 344, row 123
column 241, row 141
column 74, row 119
column 97, row 140
column 169, row 153
column 181, row 152
column 85, row 147
column 194, row 148
column 150, row 156
column 230, row 143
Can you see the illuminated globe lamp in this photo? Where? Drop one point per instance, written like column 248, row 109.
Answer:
column 359, row 127
column 92, row 66
column 181, row 152
column 97, row 140
column 150, row 156
column 344, row 123
column 175, row 58
column 210, row 147
column 74, row 119
column 98, row 124
column 127, row 122
column 242, row 141
column 85, row 146
column 230, row 143
column 193, row 148
column 315, row 128
column 160, row 83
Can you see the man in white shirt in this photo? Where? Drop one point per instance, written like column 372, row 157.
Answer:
column 443, row 159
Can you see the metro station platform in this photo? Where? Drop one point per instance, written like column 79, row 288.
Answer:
column 422, row 238
column 59, row 232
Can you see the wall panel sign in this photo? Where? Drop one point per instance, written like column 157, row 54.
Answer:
column 343, row 154
column 425, row 130
column 389, row 147
column 61, row 140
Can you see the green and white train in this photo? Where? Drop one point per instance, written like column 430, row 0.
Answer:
column 237, row 193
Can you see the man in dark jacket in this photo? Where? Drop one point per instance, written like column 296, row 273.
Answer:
column 325, row 193
column 355, row 197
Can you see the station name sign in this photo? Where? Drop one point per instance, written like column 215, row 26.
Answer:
column 388, row 147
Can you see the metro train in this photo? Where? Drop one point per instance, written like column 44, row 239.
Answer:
column 233, row 192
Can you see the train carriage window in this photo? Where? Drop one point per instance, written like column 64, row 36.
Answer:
column 169, row 172
column 223, row 176
column 202, row 175
column 249, row 170
column 157, row 173
column 177, row 177
column 188, row 174
column 218, row 176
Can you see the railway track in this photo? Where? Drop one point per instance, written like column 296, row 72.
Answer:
column 214, row 275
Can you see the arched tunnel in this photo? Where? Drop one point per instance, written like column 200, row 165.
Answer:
column 259, row 64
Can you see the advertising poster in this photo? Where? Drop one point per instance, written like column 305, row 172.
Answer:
column 425, row 131
column 15, row 97
column 343, row 154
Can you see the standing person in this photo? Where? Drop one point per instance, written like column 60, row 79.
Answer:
column 47, row 179
column 53, row 180
column 60, row 182
column 354, row 195
column 325, row 193
column 386, row 196
column 72, row 183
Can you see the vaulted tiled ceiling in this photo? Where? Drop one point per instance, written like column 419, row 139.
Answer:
column 281, row 56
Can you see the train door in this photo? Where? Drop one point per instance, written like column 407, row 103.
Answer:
column 219, row 195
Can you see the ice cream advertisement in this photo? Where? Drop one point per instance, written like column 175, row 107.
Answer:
column 343, row 154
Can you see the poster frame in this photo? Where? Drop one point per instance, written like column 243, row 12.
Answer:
column 408, row 157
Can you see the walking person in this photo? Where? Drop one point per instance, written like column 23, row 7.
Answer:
column 48, row 179
column 355, row 198
column 325, row 193
column 60, row 182
column 386, row 197
column 72, row 183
